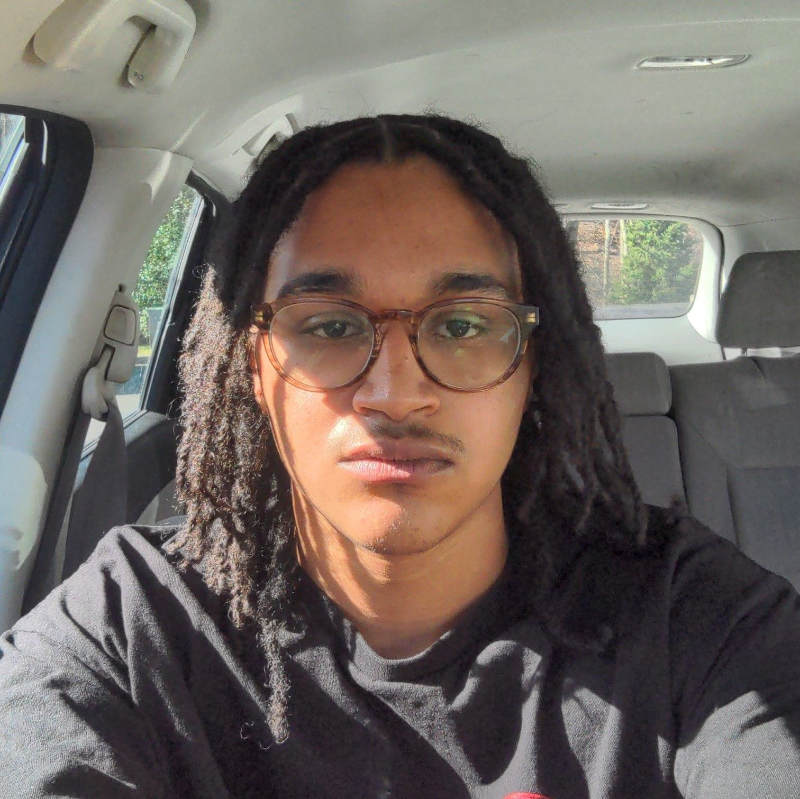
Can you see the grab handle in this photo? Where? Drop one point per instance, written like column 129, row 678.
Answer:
column 79, row 29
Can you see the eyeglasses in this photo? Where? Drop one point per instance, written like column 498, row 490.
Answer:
column 466, row 344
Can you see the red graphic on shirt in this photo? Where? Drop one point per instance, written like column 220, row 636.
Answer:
column 520, row 795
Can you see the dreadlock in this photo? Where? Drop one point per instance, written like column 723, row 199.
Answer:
column 567, row 471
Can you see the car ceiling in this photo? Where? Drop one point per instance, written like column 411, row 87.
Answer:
column 557, row 81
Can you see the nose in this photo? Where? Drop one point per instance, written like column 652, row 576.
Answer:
column 395, row 384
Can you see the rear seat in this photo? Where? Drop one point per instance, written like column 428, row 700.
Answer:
column 739, row 421
column 643, row 395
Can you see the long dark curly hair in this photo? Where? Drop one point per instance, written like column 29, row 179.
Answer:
column 568, row 477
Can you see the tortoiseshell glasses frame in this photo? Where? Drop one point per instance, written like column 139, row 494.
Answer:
column 525, row 318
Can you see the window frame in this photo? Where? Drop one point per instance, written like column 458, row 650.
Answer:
column 193, row 236
column 161, row 389
column 55, row 171
column 189, row 252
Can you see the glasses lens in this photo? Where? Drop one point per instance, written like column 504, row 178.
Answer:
column 320, row 344
column 469, row 345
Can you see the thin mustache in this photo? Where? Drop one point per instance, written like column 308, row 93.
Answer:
column 415, row 431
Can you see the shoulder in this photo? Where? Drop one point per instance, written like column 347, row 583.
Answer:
column 126, row 591
column 694, row 566
column 682, row 558
column 685, row 579
column 132, row 557
column 137, row 557
column 731, row 628
column 732, row 624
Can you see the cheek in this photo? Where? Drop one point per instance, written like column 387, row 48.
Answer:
column 494, row 425
column 488, row 422
column 287, row 408
column 302, row 422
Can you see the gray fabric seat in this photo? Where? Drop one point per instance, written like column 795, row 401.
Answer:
column 739, row 421
column 643, row 395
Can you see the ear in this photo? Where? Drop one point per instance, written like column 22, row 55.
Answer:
column 532, row 354
column 252, row 361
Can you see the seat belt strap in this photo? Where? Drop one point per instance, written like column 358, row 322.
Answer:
column 102, row 500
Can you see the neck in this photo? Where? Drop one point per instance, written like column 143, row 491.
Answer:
column 403, row 603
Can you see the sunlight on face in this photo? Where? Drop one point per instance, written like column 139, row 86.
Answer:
column 394, row 236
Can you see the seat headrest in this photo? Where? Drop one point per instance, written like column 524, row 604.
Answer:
column 641, row 383
column 760, row 306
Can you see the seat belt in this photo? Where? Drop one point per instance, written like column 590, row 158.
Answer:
column 101, row 502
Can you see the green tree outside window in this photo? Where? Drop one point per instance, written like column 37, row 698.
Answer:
column 161, row 260
column 660, row 264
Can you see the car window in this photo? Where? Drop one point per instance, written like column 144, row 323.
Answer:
column 638, row 267
column 154, row 293
column 12, row 151
column 45, row 162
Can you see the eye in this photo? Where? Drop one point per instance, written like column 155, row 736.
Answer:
column 459, row 326
column 332, row 328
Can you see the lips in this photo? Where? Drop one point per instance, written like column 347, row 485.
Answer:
column 396, row 451
column 395, row 461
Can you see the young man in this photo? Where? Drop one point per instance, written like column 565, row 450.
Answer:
column 414, row 561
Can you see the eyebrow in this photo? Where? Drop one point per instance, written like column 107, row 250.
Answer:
column 472, row 281
column 335, row 281
column 327, row 281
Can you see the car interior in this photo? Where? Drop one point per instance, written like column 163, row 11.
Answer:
column 665, row 134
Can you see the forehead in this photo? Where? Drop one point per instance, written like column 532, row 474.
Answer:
column 404, row 231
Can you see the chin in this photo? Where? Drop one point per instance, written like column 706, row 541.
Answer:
column 398, row 536
column 396, row 546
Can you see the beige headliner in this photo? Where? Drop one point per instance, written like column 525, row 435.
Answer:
column 556, row 82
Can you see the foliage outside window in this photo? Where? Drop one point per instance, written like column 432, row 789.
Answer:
column 638, row 267
column 159, row 264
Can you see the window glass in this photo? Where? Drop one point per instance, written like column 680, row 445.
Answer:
column 153, row 294
column 637, row 267
column 12, row 140
column 13, row 147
